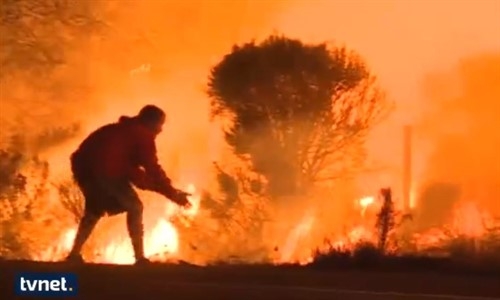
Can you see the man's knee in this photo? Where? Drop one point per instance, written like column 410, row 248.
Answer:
column 90, row 217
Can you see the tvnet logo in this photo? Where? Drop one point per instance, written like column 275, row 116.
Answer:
column 46, row 284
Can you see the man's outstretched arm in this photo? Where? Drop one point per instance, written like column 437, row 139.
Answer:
column 154, row 178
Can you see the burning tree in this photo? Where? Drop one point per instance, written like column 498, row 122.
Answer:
column 300, row 111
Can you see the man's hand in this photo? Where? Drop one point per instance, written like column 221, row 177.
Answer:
column 181, row 198
column 178, row 196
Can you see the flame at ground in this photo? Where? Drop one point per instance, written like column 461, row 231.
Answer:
column 466, row 220
column 354, row 236
column 301, row 230
column 161, row 240
column 469, row 220
column 292, row 252
column 62, row 246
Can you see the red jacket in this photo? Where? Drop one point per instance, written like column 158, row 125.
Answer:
column 123, row 150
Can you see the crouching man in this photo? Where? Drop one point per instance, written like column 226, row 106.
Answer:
column 106, row 166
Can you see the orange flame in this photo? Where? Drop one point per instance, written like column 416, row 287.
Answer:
column 161, row 240
column 364, row 203
column 301, row 230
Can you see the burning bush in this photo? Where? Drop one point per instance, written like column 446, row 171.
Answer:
column 469, row 238
column 25, row 205
column 238, row 212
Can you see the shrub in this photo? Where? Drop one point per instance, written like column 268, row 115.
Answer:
column 28, row 220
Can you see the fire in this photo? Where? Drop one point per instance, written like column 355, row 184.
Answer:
column 300, row 231
column 465, row 220
column 161, row 240
column 364, row 203
column 353, row 237
column 468, row 220
column 292, row 252
column 62, row 246
column 68, row 238
column 413, row 197
column 163, row 237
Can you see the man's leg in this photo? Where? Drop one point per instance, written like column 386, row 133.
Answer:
column 135, row 229
column 131, row 203
column 92, row 214
column 85, row 228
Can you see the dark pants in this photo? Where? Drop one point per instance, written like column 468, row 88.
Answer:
column 109, row 197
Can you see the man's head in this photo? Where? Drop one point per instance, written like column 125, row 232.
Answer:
column 153, row 117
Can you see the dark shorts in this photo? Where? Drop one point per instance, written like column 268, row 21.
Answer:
column 109, row 197
column 104, row 195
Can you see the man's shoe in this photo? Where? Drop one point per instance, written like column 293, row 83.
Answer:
column 74, row 258
column 142, row 261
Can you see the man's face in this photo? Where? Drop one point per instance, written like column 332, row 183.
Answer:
column 158, row 126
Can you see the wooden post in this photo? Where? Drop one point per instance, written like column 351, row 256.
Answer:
column 407, row 167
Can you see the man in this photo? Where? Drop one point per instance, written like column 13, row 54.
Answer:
column 106, row 165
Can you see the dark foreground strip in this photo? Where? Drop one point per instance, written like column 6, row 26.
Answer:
column 324, row 290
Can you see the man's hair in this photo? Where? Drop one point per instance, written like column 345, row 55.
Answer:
column 151, row 114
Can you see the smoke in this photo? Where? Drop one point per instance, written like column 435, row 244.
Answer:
column 180, row 41
column 460, row 124
column 402, row 41
column 156, row 52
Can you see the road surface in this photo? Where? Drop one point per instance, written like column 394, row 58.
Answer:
column 256, row 282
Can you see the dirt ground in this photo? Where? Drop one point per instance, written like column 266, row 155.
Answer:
column 165, row 281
